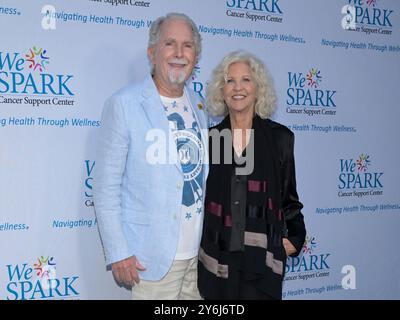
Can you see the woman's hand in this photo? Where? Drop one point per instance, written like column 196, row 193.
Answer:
column 289, row 248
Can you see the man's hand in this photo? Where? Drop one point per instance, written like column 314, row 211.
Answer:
column 289, row 248
column 126, row 271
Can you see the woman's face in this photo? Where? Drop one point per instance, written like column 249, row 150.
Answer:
column 240, row 89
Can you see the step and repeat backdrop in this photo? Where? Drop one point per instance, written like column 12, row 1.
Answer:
column 336, row 70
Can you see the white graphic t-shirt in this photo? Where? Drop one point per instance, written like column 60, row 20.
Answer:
column 190, row 153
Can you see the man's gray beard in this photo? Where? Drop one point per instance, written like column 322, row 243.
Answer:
column 179, row 78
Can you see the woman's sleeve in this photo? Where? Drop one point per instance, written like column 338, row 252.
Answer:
column 295, row 227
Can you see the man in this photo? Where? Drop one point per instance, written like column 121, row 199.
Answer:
column 149, row 195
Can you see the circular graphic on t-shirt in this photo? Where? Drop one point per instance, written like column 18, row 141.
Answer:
column 190, row 153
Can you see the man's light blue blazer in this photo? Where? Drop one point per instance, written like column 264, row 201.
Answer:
column 138, row 204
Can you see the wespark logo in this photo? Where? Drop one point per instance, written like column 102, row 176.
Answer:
column 309, row 245
column 25, row 78
column 363, row 162
column 88, row 184
column 45, row 270
column 314, row 78
column 37, row 59
column 368, row 16
column 311, row 264
column 255, row 10
column 357, row 178
column 307, row 95
column 40, row 281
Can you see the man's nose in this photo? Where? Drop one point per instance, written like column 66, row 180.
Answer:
column 178, row 51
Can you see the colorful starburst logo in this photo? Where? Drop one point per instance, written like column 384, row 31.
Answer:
column 37, row 59
column 363, row 162
column 371, row 2
column 309, row 245
column 44, row 267
column 314, row 78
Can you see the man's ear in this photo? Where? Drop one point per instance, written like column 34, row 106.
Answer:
column 150, row 54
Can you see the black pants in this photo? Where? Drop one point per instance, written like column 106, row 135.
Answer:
column 248, row 291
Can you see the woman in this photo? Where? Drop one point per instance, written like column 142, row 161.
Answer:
column 252, row 219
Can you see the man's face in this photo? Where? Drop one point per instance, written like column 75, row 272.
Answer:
column 174, row 55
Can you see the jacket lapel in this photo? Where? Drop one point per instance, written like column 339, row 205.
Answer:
column 202, row 119
column 155, row 113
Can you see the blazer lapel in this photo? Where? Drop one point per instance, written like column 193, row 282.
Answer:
column 201, row 118
column 155, row 113
column 198, row 108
